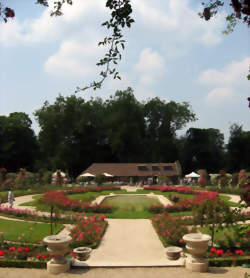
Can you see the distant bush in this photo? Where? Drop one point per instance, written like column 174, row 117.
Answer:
column 99, row 179
column 163, row 180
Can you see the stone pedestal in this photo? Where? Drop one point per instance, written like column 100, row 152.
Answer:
column 173, row 252
column 58, row 246
column 197, row 245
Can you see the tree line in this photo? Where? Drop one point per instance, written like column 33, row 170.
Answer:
column 74, row 133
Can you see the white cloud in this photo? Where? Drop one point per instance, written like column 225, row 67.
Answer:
column 46, row 28
column 233, row 73
column 228, row 84
column 151, row 65
column 220, row 96
column 177, row 19
column 74, row 58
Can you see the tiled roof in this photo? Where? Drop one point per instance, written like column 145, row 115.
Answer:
column 132, row 169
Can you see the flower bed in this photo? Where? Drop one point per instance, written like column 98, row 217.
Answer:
column 31, row 215
column 59, row 199
column 89, row 231
column 184, row 204
column 170, row 229
column 11, row 252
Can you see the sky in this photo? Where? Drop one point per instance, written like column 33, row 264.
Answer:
column 170, row 53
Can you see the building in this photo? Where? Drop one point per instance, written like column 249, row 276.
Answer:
column 137, row 172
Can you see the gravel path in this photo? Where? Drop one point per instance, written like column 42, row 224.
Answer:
column 173, row 272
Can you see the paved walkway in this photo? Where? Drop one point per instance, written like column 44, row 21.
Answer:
column 130, row 242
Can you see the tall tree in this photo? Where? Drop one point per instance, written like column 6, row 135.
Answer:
column 203, row 149
column 238, row 148
column 72, row 135
column 163, row 119
column 124, row 124
column 18, row 143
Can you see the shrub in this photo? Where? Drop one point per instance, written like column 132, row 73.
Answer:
column 170, row 229
column 162, row 180
column 3, row 174
column 202, row 181
column 174, row 198
column 235, row 178
column 47, row 177
column 156, row 209
column 245, row 194
column 100, row 179
column 213, row 212
column 88, row 231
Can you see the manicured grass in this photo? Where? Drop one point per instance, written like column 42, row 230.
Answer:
column 88, row 197
column 131, row 203
column 227, row 200
column 21, row 231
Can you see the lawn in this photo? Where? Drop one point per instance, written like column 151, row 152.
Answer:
column 21, row 231
column 227, row 200
column 131, row 203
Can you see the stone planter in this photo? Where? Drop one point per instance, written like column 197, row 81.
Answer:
column 58, row 246
column 82, row 253
column 197, row 245
column 173, row 252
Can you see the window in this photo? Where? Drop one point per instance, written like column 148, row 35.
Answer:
column 168, row 168
column 155, row 168
column 142, row 168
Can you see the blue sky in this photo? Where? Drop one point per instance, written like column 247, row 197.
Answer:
column 170, row 53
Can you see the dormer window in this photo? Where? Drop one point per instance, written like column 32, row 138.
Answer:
column 142, row 167
column 168, row 168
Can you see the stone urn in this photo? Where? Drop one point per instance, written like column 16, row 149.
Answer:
column 197, row 245
column 82, row 253
column 173, row 252
column 58, row 246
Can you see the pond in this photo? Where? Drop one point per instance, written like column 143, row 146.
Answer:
column 131, row 202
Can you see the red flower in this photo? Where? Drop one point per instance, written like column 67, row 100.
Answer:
column 38, row 256
column 52, row 256
column 2, row 253
column 19, row 250
column 181, row 240
column 239, row 252
column 12, row 248
column 213, row 250
column 219, row 252
column 25, row 249
column 43, row 256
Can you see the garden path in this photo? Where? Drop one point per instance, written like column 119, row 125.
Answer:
column 176, row 272
column 130, row 242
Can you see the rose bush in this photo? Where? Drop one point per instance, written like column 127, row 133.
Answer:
column 170, row 229
column 88, row 231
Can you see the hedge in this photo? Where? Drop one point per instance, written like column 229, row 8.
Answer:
column 23, row 264
column 229, row 261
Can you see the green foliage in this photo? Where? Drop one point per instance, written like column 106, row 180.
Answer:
column 219, row 262
column 15, row 129
column 163, row 180
column 23, row 264
column 213, row 213
column 100, row 179
column 47, row 177
column 203, row 149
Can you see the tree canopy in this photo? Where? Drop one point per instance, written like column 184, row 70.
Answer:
column 18, row 142
column 75, row 133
